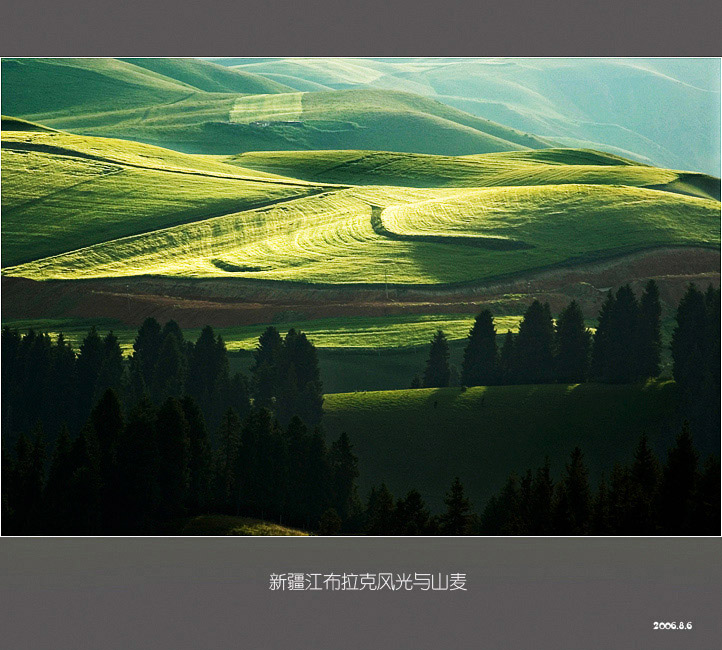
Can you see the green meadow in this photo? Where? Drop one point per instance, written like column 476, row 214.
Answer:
column 404, row 437
column 81, row 207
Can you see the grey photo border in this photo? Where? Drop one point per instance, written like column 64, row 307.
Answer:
column 523, row 592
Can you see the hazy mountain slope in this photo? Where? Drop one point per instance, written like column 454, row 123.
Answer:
column 210, row 77
column 662, row 110
column 200, row 107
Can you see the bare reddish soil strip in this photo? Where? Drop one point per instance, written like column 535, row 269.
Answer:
column 225, row 302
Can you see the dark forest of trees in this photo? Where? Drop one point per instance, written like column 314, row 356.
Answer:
column 625, row 348
column 97, row 444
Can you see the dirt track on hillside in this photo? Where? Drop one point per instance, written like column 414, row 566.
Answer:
column 224, row 302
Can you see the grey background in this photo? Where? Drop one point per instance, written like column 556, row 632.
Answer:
column 360, row 28
column 581, row 594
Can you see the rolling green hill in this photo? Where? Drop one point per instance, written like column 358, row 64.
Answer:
column 406, row 236
column 61, row 192
column 78, row 207
column 405, row 439
column 664, row 111
column 200, row 107
column 540, row 167
column 210, row 77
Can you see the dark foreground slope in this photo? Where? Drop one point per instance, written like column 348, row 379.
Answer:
column 424, row 438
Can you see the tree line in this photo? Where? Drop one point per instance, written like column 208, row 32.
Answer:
column 626, row 346
column 644, row 497
column 46, row 382
column 129, row 472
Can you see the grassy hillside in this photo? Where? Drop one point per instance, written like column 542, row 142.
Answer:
column 200, row 107
column 664, row 111
column 375, row 333
column 61, row 192
column 210, row 77
column 540, row 167
column 424, row 438
column 404, row 236
column 65, row 86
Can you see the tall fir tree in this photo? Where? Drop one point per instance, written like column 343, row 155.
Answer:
column 601, row 348
column 457, row 520
column 480, row 366
column 146, row 349
column 230, row 475
column 199, row 458
column 623, row 365
column 173, row 444
column 645, row 475
column 574, row 505
column 573, row 346
column 650, row 331
column 533, row 354
column 689, row 350
column 678, row 488
column 412, row 515
column 380, row 512
column 344, row 472
column 88, row 366
column 266, row 368
column 437, row 372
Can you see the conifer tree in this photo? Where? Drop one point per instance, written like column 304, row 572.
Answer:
column 199, row 458
column 412, row 515
column 61, row 406
column 344, row 472
column 457, row 519
column 380, row 512
column 437, row 372
column 231, row 476
column 689, row 351
column 645, row 474
column 623, row 365
column 137, row 468
column 601, row 523
column 575, row 500
column 57, row 489
column 266, row 368
column 88, row 366
column 239, row 395
column 573, row 346
column 533, row 354
column 171, row 369
column 146, row 349
column 621, row 496
column 86, row 485
column 173, row 444
column 601, row 348
column 707, row 510
column 318, row 478
column 480, row 366
column 679, row 482
column 650, row 331
column 542, row 497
